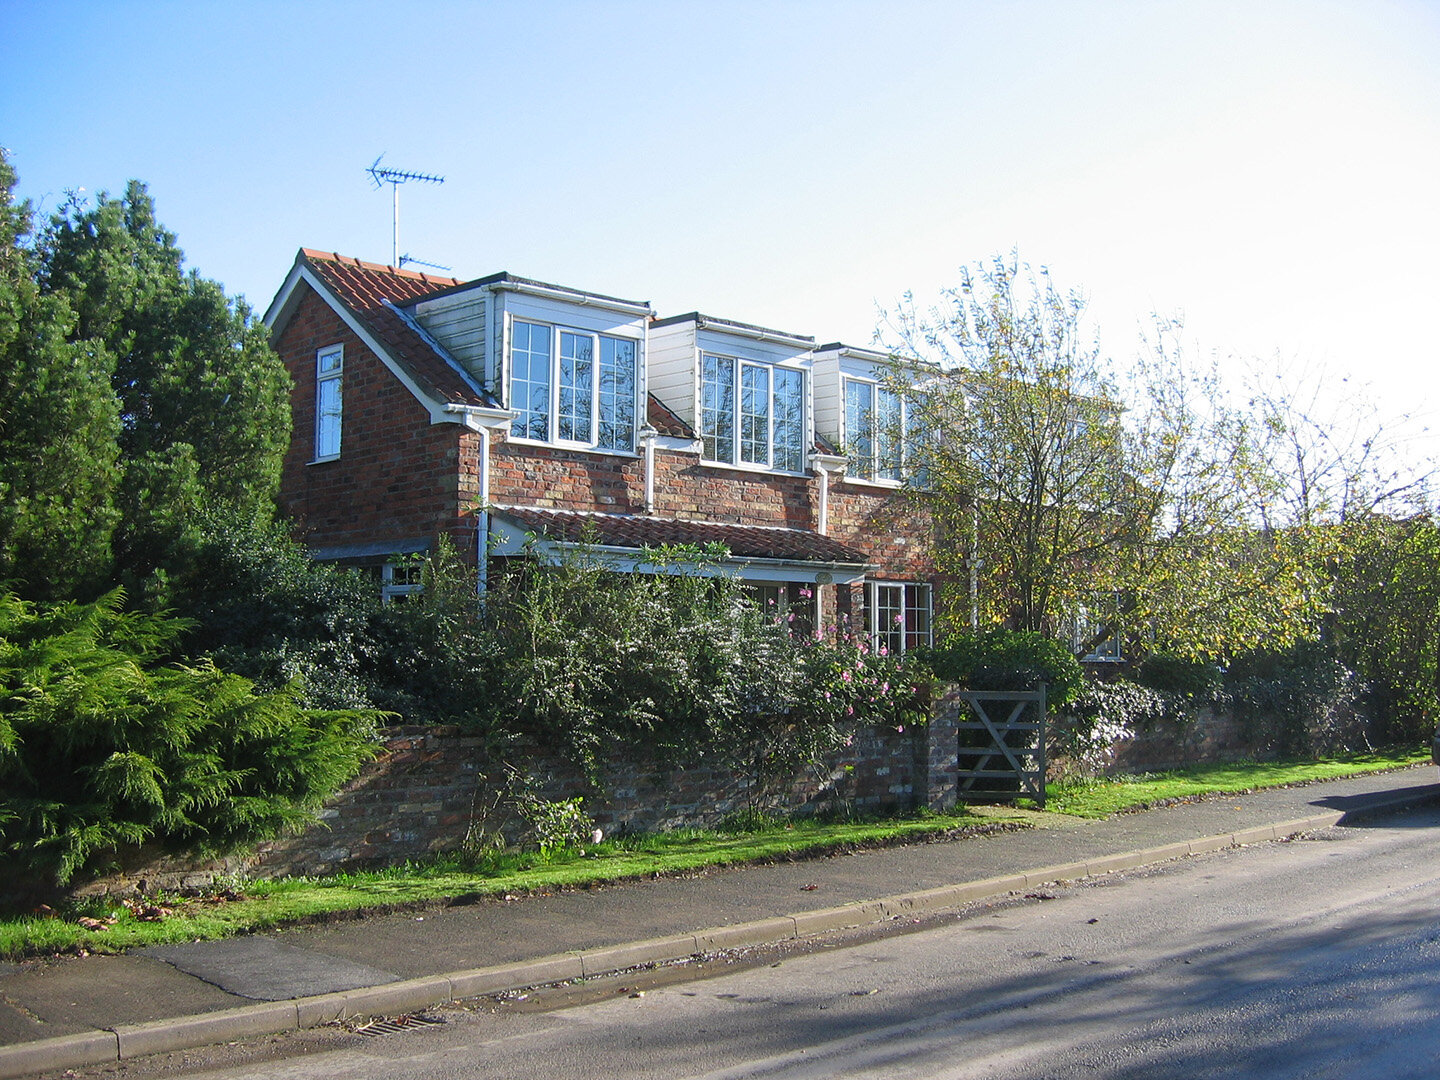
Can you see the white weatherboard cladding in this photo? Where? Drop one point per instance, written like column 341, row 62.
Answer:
column 829, row 411
column 457, row 322
column 674, row 367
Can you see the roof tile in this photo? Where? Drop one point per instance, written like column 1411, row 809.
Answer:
column 365, row 288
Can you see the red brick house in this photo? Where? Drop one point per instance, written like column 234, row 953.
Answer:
column 502, row 411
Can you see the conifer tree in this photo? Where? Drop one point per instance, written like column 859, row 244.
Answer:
column 59, row 425
column 203, row 399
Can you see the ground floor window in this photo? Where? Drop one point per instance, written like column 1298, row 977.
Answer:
column 900, row 616
column 791, row 601
column 396, row 580
column 1091, row 629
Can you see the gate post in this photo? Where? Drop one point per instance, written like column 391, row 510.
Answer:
column 942, row 769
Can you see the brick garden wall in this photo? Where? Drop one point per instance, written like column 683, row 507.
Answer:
column 432, row 788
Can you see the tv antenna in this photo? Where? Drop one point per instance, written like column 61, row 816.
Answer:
column 396, row 177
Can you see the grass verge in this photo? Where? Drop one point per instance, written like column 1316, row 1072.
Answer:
column 263, row 905
column 1101, row 798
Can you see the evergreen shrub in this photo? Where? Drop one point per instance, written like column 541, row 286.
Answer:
column 104, row 746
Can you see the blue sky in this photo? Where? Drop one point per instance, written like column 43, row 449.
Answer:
column 1267, row 168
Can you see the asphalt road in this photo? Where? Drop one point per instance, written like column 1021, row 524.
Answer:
column 1314, row 958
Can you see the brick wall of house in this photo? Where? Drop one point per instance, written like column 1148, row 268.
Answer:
column 398, row 477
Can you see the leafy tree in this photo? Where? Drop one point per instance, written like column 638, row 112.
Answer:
column 1385, row 622
column 1068, row 488
column 203, row 400
column 59, row 421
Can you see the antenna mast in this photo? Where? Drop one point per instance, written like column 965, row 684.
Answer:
column 396, row 177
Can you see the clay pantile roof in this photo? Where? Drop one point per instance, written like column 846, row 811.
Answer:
column 659, row 416
column 631, row 531
column 368, row 290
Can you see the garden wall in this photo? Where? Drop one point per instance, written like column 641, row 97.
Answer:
column 1205, row 736
column 435, row 789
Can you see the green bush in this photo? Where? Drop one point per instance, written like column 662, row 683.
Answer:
column 679, row 663
column 1009, row 660
column 1301, row 701
column 1193, row 680
column 104, row 746
column 264, row 609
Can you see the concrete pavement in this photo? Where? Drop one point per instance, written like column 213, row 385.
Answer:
column 76, row 1012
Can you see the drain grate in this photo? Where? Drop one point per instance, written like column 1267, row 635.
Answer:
column 398, row 1023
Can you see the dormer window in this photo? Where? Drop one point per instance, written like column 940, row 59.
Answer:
column 573, row 386
column 883, row 433
column 752, row 414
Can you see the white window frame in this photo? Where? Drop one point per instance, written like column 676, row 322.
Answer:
column 1082, row 626
column 876, row 454
column 912, row 603
column 399, row 580
column 781, row 454
column 329, row 401
column 604, row 415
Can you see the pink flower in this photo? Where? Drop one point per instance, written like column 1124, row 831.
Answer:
column 900, row 729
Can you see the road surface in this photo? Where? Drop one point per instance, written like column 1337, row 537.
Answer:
column 1315, row 958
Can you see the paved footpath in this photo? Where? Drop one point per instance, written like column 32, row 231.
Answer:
column 76, row 1012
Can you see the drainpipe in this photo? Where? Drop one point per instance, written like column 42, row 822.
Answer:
column 648, row 435
column 823, row 465
column 482, row 522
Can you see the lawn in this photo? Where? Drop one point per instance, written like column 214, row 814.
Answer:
column 257, row 905
column 1101, row 798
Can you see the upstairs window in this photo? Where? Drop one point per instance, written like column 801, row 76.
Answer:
column 882, row 433
column 329, row 365
column 574, row 387
column 752, row 414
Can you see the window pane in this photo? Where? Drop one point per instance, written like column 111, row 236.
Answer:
column 888, row 433
column 755, row 414
column 327, row 417
column 859, row 426
column 789, row 420
column 530, row 380
column 617, row 394
column 717, row 408
column 577, row 385
column 890, row 618
column 917, row 616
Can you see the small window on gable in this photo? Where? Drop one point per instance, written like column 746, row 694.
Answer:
column 329, row 366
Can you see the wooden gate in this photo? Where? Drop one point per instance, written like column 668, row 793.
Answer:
column 1001, row 760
